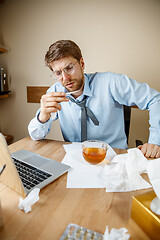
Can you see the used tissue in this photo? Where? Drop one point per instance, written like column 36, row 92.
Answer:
column 123, row 173
column 153, row 170
column 116, row 234
column 33, row 197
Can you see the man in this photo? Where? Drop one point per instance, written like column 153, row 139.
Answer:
column 103, row 96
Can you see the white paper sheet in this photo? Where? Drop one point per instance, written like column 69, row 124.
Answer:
column 83, row 174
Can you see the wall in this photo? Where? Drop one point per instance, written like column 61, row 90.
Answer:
column 115, row 35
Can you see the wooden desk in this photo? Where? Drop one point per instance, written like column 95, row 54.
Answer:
column 59, row 206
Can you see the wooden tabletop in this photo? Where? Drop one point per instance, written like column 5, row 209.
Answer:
column 59, row 206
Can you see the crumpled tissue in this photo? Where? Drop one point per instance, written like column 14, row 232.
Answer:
column 116, row 234
column 33, row 197
column 153, row 170
column 123, row 173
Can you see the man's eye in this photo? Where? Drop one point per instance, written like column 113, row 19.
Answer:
column 58, row 73
column 69, row 67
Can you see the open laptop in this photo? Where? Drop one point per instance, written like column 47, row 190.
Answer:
column 26, row 170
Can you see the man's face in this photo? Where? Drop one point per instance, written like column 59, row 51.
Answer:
column 69, row 72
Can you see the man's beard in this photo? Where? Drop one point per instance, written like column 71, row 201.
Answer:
column 77, row 84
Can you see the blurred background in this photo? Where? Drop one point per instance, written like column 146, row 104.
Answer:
column 121, row 36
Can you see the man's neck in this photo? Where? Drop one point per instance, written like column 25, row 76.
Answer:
column 80, row 92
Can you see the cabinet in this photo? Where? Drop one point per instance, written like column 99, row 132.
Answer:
column 9, row 138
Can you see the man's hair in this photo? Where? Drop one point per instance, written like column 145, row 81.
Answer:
column 60, row 49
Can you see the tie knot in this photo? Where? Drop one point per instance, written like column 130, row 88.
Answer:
column 80, row 104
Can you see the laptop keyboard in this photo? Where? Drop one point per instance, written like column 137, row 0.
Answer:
column 30, row 175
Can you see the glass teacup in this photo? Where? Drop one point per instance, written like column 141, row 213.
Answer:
column 94, row 151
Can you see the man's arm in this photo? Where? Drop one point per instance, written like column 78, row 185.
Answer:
column 152, row 148
column 130, row 92
column 40, row 126
column 37, row 130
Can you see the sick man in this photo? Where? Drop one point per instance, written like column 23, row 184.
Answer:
column 90, row 106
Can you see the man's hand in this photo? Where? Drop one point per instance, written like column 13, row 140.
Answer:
column 150, row 150
column 50, row 104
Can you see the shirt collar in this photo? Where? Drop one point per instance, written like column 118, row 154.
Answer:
column 87, row 90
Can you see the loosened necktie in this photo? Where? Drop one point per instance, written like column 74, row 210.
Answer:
column 84, row 112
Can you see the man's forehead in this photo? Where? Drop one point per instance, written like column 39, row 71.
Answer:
column 62, row 62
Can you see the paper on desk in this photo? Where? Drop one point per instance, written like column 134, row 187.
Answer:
column 83, row 174
column 153, row 170
column 123, row 173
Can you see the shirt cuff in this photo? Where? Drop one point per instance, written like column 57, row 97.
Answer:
column 154, row 139
column 39, row 120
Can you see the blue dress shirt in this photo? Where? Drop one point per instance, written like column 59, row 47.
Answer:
column 106, row 94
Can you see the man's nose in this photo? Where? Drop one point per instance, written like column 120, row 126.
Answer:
column 65, row 75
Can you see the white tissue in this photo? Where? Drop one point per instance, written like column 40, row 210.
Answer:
column 116, row 234
column 33, row 197
column 123, row 173
column 155, row 205
column 139, row 161
column 153, row 170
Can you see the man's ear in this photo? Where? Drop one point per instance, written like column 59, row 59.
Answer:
column 82, row 63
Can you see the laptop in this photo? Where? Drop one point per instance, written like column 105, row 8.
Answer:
column 26, row 170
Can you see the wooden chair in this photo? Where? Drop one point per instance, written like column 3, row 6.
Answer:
column 127, row 120
column 34, row 93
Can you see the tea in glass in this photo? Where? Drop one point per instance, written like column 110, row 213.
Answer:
column 94, row 151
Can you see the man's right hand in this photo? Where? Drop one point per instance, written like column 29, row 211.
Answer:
column 50, row 104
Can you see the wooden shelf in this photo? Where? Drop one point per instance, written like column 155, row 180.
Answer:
column 4, row 96
column 2, row 50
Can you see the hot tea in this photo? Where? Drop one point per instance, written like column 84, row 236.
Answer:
column 94, row 151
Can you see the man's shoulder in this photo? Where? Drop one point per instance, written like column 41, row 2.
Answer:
column 101, row 77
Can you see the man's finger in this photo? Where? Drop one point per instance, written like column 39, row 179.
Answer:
column 158, row 154
column 56, row 99
column 56, row 94
column 51, row 98
column 143, row 149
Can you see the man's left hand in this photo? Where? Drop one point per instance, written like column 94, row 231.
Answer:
column 150, row 150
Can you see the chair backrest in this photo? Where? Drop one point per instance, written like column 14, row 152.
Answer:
column 34, row 93
column 127, row 119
